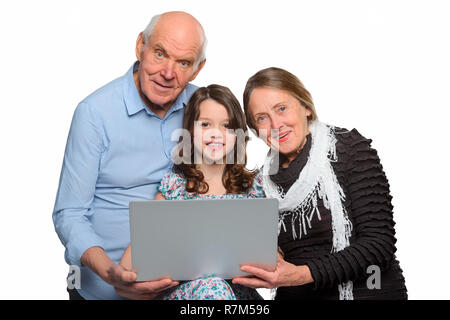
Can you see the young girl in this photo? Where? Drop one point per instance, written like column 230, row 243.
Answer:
column 214, row 168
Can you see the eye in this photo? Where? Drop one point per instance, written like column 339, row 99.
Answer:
column 204, row 124
column 226, row 125
column 282, row 108
column 184, row 64
column 260, row 118
column 159, row 54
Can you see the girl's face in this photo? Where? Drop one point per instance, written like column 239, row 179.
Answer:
column 212, row 139
column 273, row 109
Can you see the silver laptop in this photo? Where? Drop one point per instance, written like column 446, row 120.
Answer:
column 188, row 239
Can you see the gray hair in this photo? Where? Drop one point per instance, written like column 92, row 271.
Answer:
column 149, row 30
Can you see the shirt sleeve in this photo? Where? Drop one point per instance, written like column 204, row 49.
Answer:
column 373, row 237
column 73, row 206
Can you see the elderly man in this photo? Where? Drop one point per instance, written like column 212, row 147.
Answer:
column 118, row 150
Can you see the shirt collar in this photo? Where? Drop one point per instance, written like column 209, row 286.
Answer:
column 133, row 100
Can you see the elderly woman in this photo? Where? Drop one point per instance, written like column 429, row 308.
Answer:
column 336, row 230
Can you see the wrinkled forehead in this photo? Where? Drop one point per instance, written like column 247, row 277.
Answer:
column 181, row 36
column 268, row 98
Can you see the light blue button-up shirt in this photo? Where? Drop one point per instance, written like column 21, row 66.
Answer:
column 117, row 151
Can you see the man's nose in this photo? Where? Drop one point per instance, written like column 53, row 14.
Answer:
column 168, row 70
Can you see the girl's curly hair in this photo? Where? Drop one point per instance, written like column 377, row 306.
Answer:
column 236, row 178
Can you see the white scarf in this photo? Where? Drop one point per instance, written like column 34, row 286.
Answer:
column 316, row 180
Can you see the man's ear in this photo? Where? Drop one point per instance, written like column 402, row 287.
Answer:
column 200, row 66
column 140, row 44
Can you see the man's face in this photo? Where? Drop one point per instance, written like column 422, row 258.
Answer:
column 167, row 63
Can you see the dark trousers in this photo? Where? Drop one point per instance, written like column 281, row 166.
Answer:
column 74, row 295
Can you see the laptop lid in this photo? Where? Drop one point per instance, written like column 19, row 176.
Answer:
column 188, row 239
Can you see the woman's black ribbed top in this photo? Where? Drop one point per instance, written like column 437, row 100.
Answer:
column 372, row 244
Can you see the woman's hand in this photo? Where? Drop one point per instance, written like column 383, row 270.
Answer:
column 286, row 274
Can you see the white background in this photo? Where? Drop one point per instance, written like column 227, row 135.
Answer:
column 379, row 66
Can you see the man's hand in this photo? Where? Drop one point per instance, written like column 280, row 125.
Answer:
column 125, row 285
column 121, row 279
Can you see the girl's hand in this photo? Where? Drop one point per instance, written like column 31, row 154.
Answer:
column 286, row 274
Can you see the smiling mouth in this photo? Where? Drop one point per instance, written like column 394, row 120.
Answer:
column 284, row 136
column 215, row 145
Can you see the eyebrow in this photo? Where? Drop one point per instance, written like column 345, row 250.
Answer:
column 159, row 46
column 283, row 103
column 259, row 113
column 204, row 118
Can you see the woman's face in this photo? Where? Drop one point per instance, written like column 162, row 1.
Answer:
column 212, row 138
column 276, row 111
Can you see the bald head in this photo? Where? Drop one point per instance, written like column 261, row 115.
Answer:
column 180, row 25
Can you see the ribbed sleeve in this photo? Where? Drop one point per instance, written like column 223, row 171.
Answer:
column 368, row 203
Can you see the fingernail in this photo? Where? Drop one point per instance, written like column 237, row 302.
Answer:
column 169, row 283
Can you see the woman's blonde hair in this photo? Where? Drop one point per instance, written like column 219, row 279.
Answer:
column 277, row 78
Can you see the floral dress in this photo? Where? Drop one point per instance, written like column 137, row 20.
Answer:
column 173, row 187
